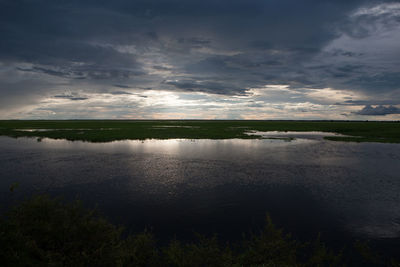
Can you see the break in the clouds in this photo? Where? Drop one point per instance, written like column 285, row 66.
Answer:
column 236, row 59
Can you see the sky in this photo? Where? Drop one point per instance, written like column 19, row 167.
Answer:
column 208, row 59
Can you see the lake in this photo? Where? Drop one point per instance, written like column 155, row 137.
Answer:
column 177, row 187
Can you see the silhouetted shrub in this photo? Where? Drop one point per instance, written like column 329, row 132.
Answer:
column 47, row 232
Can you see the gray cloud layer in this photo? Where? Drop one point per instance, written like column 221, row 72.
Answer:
column 378, row 111
column 213, row 47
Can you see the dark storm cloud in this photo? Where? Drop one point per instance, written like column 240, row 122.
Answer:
column 378, row 111
column 120, row 93
column 161, row 68
column 60, row 73
column 383, row 81
column 216, row 47
column 204, row 86
column 79, row 61
column 62, row 30
column 72, row 97
column 121, row 86
column 368, row 102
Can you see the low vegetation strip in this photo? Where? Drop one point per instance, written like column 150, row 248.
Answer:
column 112, row 130
column 42, row 231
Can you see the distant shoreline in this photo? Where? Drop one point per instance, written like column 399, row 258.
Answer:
column 113, row 130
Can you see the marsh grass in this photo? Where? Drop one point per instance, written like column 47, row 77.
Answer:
column 44, row 231
column 111, row 130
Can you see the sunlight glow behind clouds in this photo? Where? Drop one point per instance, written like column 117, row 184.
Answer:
column 159, row 104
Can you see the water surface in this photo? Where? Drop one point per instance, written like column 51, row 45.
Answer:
column 307, row 185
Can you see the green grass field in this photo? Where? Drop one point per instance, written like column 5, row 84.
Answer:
column 111, row 130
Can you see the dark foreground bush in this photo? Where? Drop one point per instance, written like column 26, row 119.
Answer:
column 46, row 232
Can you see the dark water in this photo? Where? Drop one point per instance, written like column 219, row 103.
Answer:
column 308, row 185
